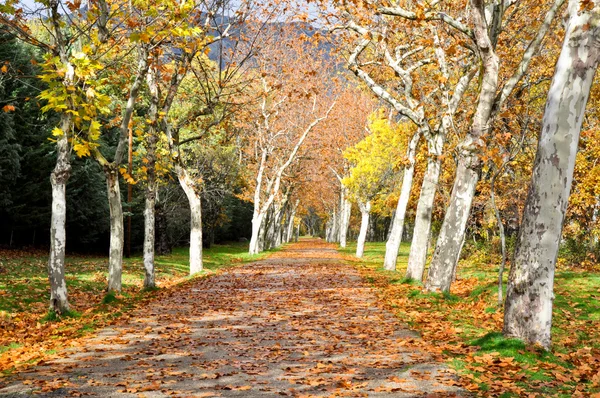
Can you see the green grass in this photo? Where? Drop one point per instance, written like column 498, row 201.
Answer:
column 24, row 291
column 8, row 347
column 24, row 284
column 576, row 316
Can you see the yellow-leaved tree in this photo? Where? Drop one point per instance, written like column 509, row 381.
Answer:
column 375, row 162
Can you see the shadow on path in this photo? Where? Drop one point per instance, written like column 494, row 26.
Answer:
column 300, row 323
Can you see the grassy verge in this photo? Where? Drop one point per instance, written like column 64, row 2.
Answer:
column 29, row 334
column 464, row 327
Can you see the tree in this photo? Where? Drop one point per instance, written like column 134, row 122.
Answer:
column 293, row 101
column 374, row 162
column 210, row 100
column 72, row 80
column 528, row 308
column 416, row 99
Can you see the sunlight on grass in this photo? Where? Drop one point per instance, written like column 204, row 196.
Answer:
column 24, row 292
column 468, row 318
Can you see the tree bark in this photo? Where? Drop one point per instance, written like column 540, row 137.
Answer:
column 151, row 139
column 422, row 230
column 58, row 236
column 117, row 233
column 449, row 243
column 59, row 302
column 333, row 226
column 257, row 228
column 111, row 171
column 501, row 231
column 528, row 307
column 149, row 235
column 395, row 238
column 365, row 211
column 290, row 230
column 345, row 221
column 195, row 203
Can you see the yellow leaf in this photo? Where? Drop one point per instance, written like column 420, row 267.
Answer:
column 81, row 150
column 57, row 132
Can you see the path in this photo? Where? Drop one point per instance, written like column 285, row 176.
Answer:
column 300, row 323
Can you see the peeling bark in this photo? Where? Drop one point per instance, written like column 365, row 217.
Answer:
column 58, row 236
column 117, row 232
column 151, row 139
column 59, row 302
column 449, row 243
column 149, row 235
column 528, row 307
column 422, row 230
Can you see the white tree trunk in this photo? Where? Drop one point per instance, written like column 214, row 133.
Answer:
column 345, row 222
column 60, row 175
column 395, row 238
column 422, row 230
column 333, row 228
column 149, row 237
column 117, row 233
column 451, row 238
column 257, row 228
column 58, row 236
column 195, row 219
column 365, row 211
column 151, row 139
column 528, row 308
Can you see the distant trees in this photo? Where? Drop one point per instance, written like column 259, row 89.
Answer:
column 294, row 99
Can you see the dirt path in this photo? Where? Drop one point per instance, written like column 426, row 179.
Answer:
column 300, row 323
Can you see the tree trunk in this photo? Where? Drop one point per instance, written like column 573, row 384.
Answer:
column 345, row 221
column 149, row 235
column 262, row 233
column 528, row 307
column 365, row 210
column 290, row 231
column 117, row 234
column 59, row 177
column 502, row 233
column 451, row 238
column 270, row 230
column 335, row 227
column 278, row 228
column 422, row 230
column 257, row 228
column 58, row 236
column 393, row 244
column 195, row 219
column 151, row 140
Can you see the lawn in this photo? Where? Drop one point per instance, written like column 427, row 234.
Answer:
column 28, row 334
column 464, row 327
